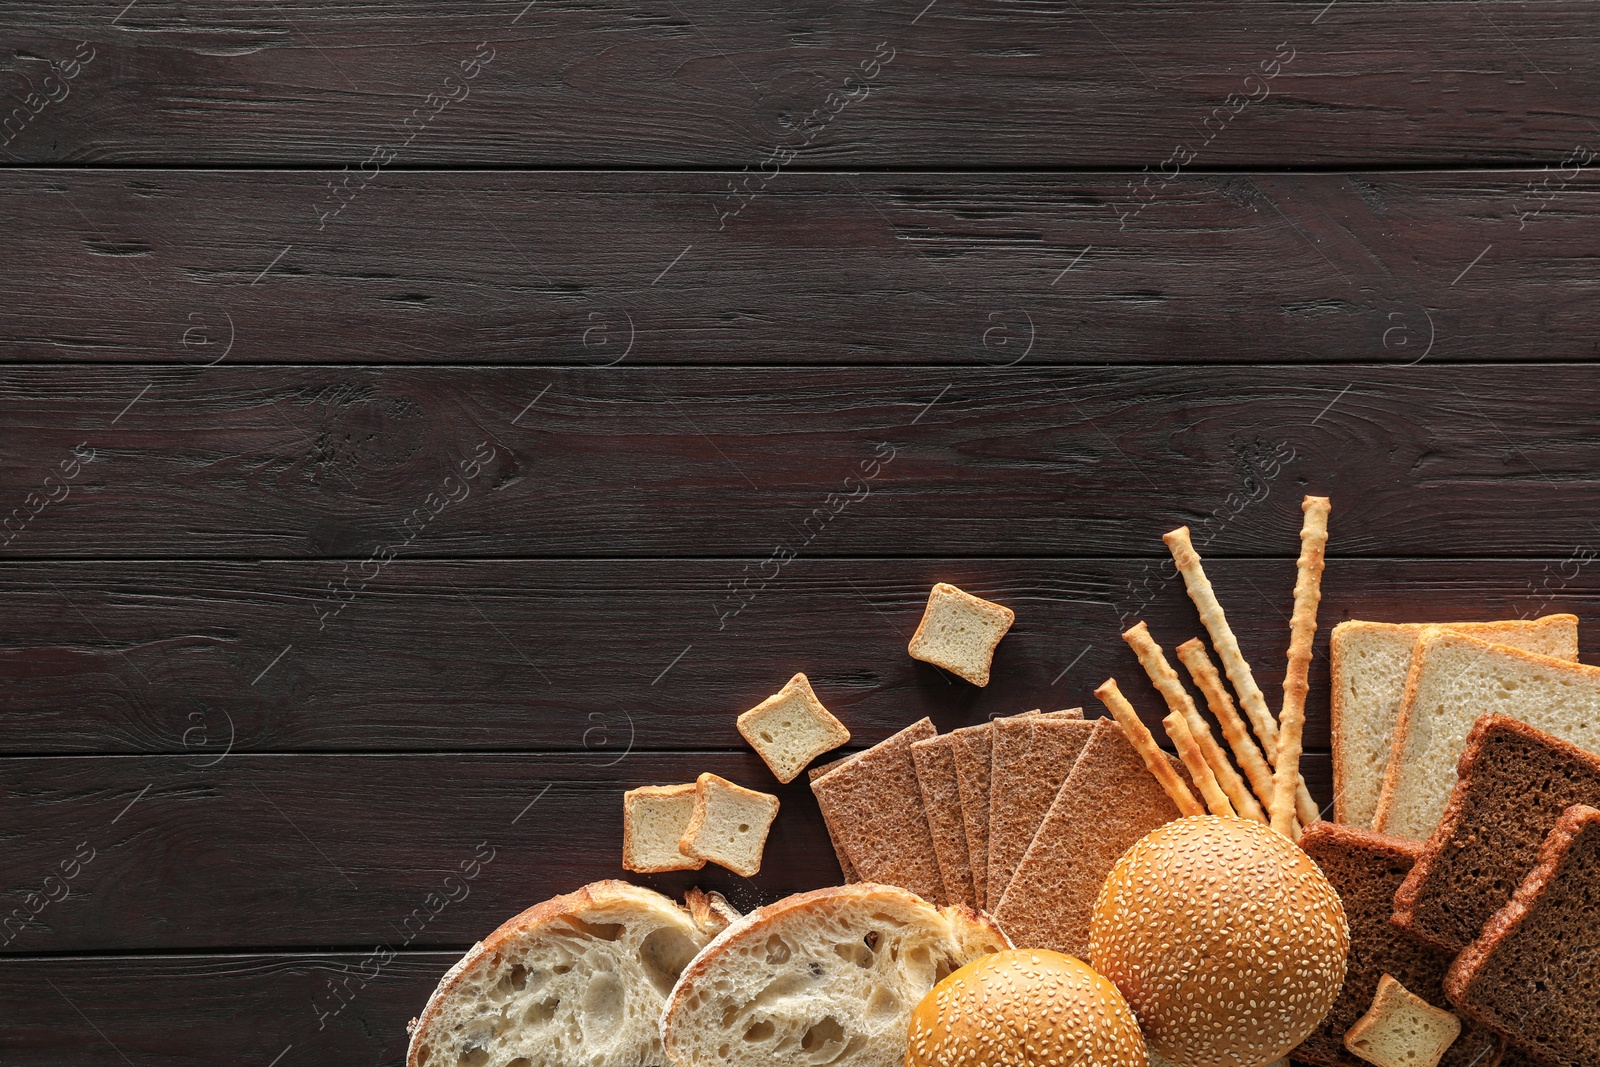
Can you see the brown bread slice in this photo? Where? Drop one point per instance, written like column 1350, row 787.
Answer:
column 1534, row 972
column 1364, row 869
column 974, row 752
column 845, row 867
column 1515, row 781
column 1107, row 803
column 941, row 798
column 874, row 805
column 1032, row 757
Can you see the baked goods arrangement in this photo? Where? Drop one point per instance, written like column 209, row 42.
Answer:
column 1047, row 888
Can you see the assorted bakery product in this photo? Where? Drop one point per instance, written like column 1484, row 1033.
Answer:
column 654, row 818
column 1027, row 1008
column 1402, row 1030
column 791, row 728
column 729, row 825
column 1226, row 939
column 935, row 762
column 1032, row 756
column 1302, row 628
column 827, row 977
column 959, row 632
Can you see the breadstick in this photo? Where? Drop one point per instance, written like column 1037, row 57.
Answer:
column 1154, row 759
column 1166, row 681
column 1192, row 653
column 1233, row 661
column 1302, row 628
column 1199, row 769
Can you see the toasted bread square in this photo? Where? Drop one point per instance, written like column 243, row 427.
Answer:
column 729, row 825
column 654, row 818
column 791, row 728
column 1401, row 1029
column 959, row 632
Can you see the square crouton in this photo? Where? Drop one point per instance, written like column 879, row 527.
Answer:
column 791, row 728
column 654, row 818
column 1401, row 1029
column 959, row 632
column 729, row 825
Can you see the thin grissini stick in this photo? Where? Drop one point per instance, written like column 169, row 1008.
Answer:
column 1155, row 760
column 1233, row 661
column 1166, row 681
column 1199, row 769
column 1302, row 628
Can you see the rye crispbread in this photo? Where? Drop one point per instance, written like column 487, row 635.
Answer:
column 845, row 867
column 941, row 799
column 1364, row 868
column 1031, row 758
column 1515, row 781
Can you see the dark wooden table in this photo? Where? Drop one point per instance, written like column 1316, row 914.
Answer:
column 416, row 419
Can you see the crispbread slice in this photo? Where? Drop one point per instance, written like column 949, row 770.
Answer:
column 1455, row 678
column 654, row 818
column 941, row 799
column 1364, row 868
column 1370, row 661
column 1515, row 781
column 874, row 806
column 1402, row 1030
column 1107, row 803
column 1031, row 758
column 959, row 631
column 973, row 751
column 846, row 868
column 1534, row 972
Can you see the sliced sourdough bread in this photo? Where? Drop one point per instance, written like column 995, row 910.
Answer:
column 941, row 800
column 874, row 806
column 1515, row 781
column 1364, row 868
column 1032, row 757
column 827, row 977
column 578, row 981
column 1370, row 661
column 1454, row 679
column 1107, row 803
column 1534, row 972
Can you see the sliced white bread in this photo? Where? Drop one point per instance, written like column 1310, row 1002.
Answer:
column 1455, row 678
column 958, row 632
column 1370, row 662
column 1401, row 1029
column 578, row 981
column 791, row 728
column 828, row 977
column 729, row 825
column 654, row 818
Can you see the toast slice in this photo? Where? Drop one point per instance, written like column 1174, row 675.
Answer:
column 1107, row 804
column 1515, row 781
column 1534, row 972
column 1364, row 868
column 826, row 977
column 1370, row 661
column 1402, row 1030
column 654, row 818
column 935, row 762
column 581, row 978
column 1032, row 757
column 959, row 632
column 791, row 728
column 874, row 805
column 729, row 825
column 1455, row 678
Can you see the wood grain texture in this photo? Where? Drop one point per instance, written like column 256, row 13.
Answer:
column 970, row 270
column 970, row 82
column 351, row 851
column 494, row 462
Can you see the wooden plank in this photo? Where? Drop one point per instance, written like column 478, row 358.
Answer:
column 352, row 461
column 964, row 83
column 350, row 851
column 603, row 658
column 589, row 270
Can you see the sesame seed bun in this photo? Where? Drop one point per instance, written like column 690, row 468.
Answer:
column 1025, row 1008
column 1225, row 938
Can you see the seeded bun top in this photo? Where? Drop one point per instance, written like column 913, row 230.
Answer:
column 1025, row 1008
column 1225, row 938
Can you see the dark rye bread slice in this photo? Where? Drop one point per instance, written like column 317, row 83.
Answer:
column 1365, row 868
column 941, row 799
column 1534, row 972
column 874, row 806
column 974, row 756
column 1032, row 757
column 845, row 867
column 1514, row 782
column 1105, row 806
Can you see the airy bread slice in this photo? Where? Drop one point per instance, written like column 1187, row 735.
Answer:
column 729, row 825
column 1032, row 757
column 1515, row 781
column 827, row 977
column 958, row 632
column 1402, row 1030
column 874, row 806
column 654, row 818
column 1370, row 661
column 1534, row 973
column 578, row 981
column 941, row 800
column 1455, row 678
column 791, row 728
